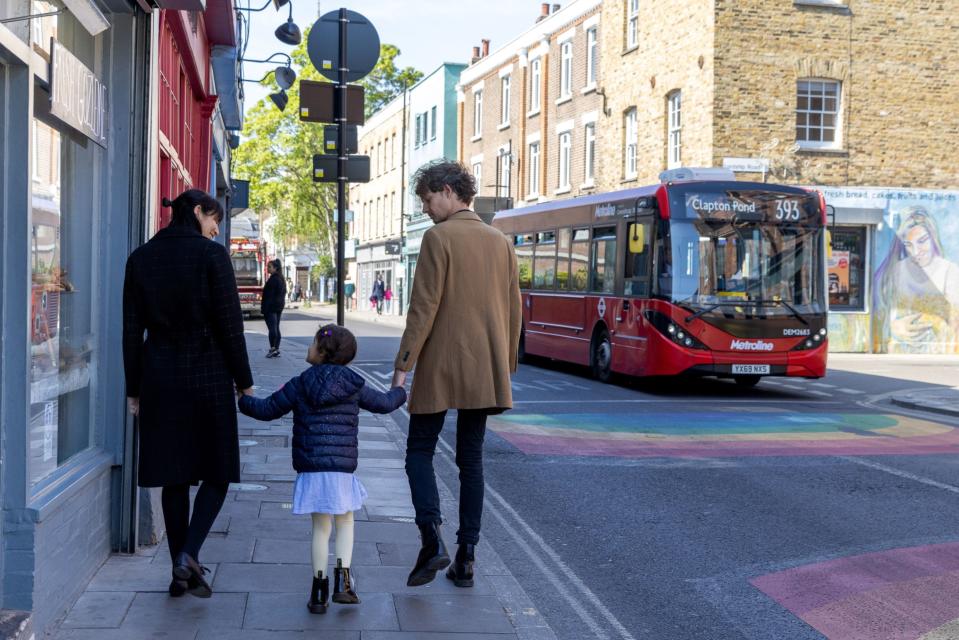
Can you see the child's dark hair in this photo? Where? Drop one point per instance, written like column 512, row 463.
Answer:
column 184, row 204
column 336, row 344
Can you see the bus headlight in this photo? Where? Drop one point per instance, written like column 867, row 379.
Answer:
column 671, row 329
column 665, row 325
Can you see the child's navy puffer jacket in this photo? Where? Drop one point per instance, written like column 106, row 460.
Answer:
column 325, row 400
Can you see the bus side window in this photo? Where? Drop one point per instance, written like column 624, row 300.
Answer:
column 523, row 245
column 638, row 252
column 579, row 260
column 544, row 262
column 562, row 259
column 603, row 262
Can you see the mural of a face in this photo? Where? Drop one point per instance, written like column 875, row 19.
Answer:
column 918, row 244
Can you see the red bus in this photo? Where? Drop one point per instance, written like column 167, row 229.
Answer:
column 698, row 275
column 249, row 265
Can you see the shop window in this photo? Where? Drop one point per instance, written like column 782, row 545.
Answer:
column 603, row 263
column 562, row 259
column 523, row 245
column 60, row 302
column 579, row 260
column 847, row 269
column 544, row 265
column 638, row 253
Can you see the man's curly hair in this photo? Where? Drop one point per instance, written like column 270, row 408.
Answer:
column 434, row 176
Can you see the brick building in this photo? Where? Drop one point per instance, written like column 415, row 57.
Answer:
column 529, row 111
column 376, row 204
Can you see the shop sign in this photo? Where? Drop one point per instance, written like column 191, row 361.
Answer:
column 746, row 165
column 77, row 96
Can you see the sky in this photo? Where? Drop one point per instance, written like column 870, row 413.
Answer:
column 427, row 32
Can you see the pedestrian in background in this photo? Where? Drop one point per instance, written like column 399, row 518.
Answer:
column 180, row 290
column 388, row 296
column 325, row 401
column 379, row 293
column 462, row 334
column 272, row 303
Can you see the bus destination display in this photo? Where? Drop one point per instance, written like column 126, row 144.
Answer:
column 774, row 208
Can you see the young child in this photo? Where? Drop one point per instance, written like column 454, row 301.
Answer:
column 325, row 400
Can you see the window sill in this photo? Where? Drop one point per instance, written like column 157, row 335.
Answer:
column 563, row 190
column 629, row 179
column 564, row 99
column 532, row 197
column 823, row 151
column 532, row 114
column 64, row 484
column 838, row 7
column 502, row 126
column 476, row 138
column 588, row 185
column 629, row 50
column 590, row 88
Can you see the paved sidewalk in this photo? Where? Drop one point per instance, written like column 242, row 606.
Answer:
column 942, row 400
column 329, row 311
column 259, row 555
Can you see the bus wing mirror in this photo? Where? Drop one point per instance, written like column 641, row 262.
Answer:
column 637, row 238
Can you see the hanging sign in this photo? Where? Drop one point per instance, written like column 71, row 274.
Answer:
column 77, row 96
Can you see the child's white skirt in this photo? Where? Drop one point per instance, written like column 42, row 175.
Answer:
column 327, row 492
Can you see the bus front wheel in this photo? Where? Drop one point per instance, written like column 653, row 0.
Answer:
column 747, row 381
column 602, row 357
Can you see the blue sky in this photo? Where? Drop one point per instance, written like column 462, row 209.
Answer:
column 428, row 32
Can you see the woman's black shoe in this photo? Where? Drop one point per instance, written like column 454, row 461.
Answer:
column 432, row 558
column 186, row 568
column 461, row 571
column 319, row 595
column 342, row 589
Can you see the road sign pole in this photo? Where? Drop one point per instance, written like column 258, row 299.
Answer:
column 341, row 174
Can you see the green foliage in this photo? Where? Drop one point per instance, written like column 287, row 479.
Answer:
column 326, row 267
column 386, row 81
column 276, row 154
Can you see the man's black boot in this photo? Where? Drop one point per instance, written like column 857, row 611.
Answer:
column 461, row 571
column 432, row 558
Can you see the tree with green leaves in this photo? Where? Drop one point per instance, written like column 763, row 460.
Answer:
column 276, row 154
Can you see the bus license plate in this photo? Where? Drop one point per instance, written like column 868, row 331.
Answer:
column 753, row 369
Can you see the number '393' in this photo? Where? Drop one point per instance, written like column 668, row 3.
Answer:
column 787, row 210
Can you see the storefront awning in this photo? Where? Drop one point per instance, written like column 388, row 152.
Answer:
column 857, row 215
column 226, row 77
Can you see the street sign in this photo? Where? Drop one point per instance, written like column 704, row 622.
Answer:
column 325, row 168
column 320, row 102
column 746, row 165
column 330, row 139
column 392, row 248
column 362, row 46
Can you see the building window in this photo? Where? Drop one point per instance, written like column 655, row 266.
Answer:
column 566, row 70
column 478, row 176
column 565, row 151
column 847, row 269
column 433, row 123
column 478, row 114
column 504, row 159
column 504, row 104
column 675, row 109
column 589, row 161
column 534, row 169
column 592, row 56
column 535, row 81
column 632, row 24
column 630, row 140
column 393, row 151
column 416, row 132
column 817, row 112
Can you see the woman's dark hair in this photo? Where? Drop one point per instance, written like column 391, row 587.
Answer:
column 276, row 264
column 336, row 344
column 433, row 177
column 183, row 206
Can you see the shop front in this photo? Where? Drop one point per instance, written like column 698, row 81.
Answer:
column 73, row 149
column 893, row 270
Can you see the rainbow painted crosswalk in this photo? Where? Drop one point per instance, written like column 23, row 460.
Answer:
column 743, row 431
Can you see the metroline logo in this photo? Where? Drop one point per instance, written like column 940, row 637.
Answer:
column 747, row 345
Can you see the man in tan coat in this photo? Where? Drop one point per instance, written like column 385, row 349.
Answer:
column 462, row 334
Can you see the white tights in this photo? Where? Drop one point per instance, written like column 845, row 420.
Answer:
column 322, row 528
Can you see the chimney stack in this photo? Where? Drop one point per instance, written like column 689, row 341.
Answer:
column 543, row 11
column 555, row 8
column 476, row 55
column 485, row 47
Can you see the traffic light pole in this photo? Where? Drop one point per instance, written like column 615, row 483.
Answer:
column 341, row 174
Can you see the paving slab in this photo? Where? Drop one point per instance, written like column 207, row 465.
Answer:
column 257, row 634
column 133, row 573
column 98, row 609
column 452, row 613
column 218, row 549
column 288, row 612
column 298, row 552
column 160, row 612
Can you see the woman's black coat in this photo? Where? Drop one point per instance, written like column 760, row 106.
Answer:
column 180, row 289
column 274, row 294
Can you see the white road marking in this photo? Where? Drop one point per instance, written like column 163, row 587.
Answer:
column 585, row 592
column 675, row 401
column 900, row 473
column 823, row 385
column 852, row 392
column 819, row 393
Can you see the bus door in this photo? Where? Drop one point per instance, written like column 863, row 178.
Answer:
column 629, row 333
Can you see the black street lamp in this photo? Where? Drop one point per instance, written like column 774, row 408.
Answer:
column 288, row 32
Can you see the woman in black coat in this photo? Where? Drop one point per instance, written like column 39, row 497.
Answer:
column 271, row 305
column 181, row 291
